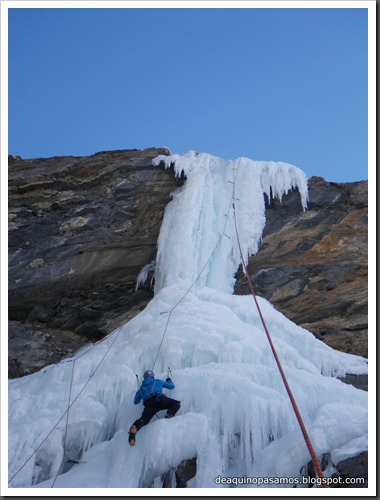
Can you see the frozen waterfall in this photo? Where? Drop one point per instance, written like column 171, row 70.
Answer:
column 235, row 416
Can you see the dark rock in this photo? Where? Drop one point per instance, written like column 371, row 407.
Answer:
column 80, row 231
column 354, row 469
column 82, row 228
column 13, row 158
column 185, row 471
column 33, row 348
column 350, row 473
column 313, row 265
column 358, row 381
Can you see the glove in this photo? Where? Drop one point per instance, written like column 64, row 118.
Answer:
column 168, row 379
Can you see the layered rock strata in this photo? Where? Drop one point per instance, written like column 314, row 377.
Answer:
column 312, row 266
column 80, row 230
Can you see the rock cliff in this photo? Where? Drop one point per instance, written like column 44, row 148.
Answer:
column 312, row 266
column 82, row 228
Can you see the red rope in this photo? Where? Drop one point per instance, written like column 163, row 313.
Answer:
column 287, row 387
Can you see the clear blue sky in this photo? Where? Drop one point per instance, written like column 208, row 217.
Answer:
column 270, row 84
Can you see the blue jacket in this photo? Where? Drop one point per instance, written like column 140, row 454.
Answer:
column 151, row 386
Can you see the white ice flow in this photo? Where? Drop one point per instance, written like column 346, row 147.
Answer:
column 235, row 415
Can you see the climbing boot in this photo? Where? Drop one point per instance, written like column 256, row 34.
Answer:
column 132, row 435
column 168, row 415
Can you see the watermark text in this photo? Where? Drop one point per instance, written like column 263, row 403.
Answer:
column 293, row 481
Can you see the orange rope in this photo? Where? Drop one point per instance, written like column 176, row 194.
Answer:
column 287, row 387
column 298, row 415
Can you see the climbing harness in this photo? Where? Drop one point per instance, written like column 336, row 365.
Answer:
column 309, row 445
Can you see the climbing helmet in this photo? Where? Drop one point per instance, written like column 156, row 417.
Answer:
column 148, row 373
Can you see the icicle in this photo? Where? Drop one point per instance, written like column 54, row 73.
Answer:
column 235, row 418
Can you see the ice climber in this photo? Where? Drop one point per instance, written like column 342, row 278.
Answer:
column 153, row 400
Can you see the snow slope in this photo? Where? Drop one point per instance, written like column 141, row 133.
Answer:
column 235, row 415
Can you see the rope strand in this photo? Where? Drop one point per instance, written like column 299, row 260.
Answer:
column 67, row 425
column 196, row 279
column 72, row 403
column 293, row 402
column 309, row 445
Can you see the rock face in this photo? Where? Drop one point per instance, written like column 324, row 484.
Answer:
column 179, row 476
column 82, row 228
column 312, row 265
column 354, row 471
column 351, row 472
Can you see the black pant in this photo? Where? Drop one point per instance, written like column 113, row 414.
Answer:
column 155, row 404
